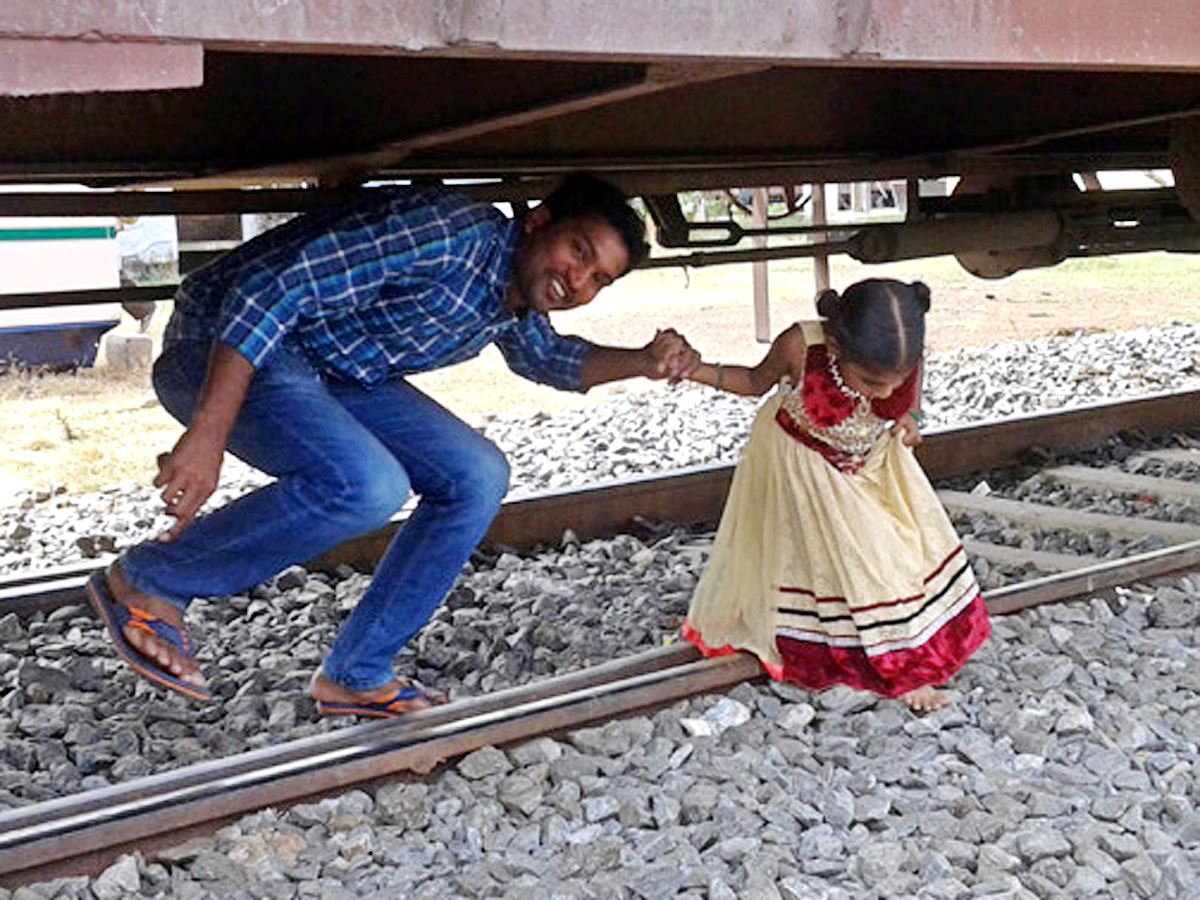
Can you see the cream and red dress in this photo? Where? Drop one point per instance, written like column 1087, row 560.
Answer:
column 834, row 562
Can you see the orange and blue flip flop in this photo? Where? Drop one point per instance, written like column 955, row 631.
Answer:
column 115, row 617
column 390, row 707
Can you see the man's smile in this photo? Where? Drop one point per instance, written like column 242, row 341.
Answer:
column 558, row 290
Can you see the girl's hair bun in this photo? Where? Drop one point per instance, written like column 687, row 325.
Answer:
column 827, row 302
column 921, row 290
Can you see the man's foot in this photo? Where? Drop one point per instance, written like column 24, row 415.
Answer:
column 148, row 633
column 398, row 698
column 924, row 699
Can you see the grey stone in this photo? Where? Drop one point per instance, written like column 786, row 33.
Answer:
column 1091, row 857
column 935, row 868
column 945, row 889
column 838, row 807
column 793, row 888
column 613, row 739
column 1120, row 847
column 1038, row 843
column 1110, row 808
column 119, row 880
column 291, row 578
column 208, row 865
column 521, row 793
column 405, row 805
column 698, row 803
column 1142, row 876
column 994, row 863
column 655, row 882
column 11, row 629
column 483, row 763
column 878, row 863
column 597, row 809
column 42, row 722
column 539, row 750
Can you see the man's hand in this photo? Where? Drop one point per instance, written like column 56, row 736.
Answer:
column 188, row 475
column 669, row 356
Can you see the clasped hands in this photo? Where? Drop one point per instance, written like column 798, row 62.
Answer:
column 670, row 356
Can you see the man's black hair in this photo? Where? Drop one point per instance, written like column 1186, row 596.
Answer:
column 585, row 195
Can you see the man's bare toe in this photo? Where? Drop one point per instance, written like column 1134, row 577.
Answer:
column 396, row 698
column 165, row 655
column 327, row 691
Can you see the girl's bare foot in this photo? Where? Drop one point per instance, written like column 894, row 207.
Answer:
column 924, row 699
column 144, row 640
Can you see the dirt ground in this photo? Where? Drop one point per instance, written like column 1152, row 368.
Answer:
column 101, row 427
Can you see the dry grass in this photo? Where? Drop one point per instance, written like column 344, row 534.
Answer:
column 84, row 430
column 101, row 426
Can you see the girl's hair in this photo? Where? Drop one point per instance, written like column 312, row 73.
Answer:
column 878, row 323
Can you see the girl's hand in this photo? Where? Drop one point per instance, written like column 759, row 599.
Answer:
column 908, row 429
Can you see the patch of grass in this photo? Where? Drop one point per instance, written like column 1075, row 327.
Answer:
column 67, row 428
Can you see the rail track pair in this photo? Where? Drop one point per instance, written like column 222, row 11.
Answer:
column 85, row 832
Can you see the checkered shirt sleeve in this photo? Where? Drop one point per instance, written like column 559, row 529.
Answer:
column 397, row 283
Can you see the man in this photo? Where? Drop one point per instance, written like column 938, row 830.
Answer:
column 291, row 352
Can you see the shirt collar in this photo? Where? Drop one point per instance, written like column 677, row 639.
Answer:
column 511, row 236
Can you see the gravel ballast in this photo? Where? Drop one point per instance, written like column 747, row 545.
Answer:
column 1065, row 768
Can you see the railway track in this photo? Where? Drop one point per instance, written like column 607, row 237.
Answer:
column 84, row 832
column 695, row 496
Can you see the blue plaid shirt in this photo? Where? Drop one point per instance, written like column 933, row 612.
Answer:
column 400, row 281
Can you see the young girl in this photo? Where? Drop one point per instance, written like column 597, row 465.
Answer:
column 834, row 561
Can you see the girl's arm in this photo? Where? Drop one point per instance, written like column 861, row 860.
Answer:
column 909, row 424
column 757, row 380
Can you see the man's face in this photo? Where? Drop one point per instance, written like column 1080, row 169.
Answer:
column 565, row 263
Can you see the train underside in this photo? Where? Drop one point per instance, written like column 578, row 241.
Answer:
column 262, row 106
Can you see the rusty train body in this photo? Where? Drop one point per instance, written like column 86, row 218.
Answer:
column 226, row 106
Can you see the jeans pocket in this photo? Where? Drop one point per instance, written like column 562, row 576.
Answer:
column 288, row 362
column 178, row 375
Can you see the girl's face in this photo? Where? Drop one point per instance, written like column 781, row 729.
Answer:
column 871, row 384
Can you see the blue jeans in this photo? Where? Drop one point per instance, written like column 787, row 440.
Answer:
column 345, row 457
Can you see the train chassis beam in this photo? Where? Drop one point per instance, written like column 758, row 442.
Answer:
column 994, row 228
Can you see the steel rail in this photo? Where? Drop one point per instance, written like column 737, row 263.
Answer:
column 79, row 833
column 84, row 833
column 696, row 495
column 1095, row 579
column 45, row 589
